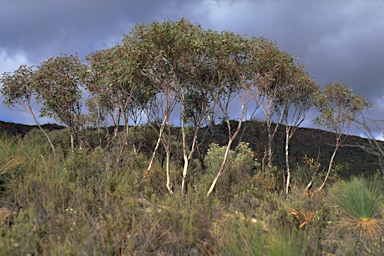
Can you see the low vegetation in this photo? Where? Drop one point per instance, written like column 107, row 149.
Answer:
column 87, row 203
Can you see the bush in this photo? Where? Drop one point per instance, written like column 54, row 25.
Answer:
column 241, row 163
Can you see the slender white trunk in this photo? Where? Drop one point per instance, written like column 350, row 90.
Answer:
column 269, row 112
column 41, row 128
column 231, row 136
column 185, row 170
column 185, row 157
column 223, row 166
column 330, row 165
column 72, row 146
column 126, row 128
column 213, row 185
column 168, row 184
column 287, row 160
column 269, row 133
column 269, row 145
column 116, row 124
column 157, row 144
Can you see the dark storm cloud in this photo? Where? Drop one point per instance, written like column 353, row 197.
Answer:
column 45, row 28
column 336, row 40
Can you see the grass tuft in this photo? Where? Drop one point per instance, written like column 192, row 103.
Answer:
column 359, row 202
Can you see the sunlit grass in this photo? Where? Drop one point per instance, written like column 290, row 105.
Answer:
column 11, row 154
column 287, row 242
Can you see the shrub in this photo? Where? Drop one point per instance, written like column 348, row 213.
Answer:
column 241, row 163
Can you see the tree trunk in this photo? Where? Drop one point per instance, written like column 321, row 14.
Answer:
column 126, row 128
column 72, row 146
column 116, row 123
column 213, row 184
column 168, row 185
column 157, row 143
column 185, row 170
column 231, row 137
column 185, row 157
column 269, row 146
column 222, row 169
column 287, row 160
column 45, row 134
column 330, row 164
column 223, row 166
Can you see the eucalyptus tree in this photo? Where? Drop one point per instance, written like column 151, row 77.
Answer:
column 59, row 83
column 194, row 68
column 117, row 83
column 338, row 107
column 196, row 81
column 103, row 87
column 166, row 50
column 18, row 90
column 235, row 56
column 272, row 74
column 139, row 91
column 294, row 104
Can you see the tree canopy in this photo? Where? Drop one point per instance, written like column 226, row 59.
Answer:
column 175, row 70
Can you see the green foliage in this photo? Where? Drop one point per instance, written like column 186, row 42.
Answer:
column 241, row 159
column 240, row 166
column 214, row 157
column 59, row 80
column 66, row 204
column 338, row 107
column 18, row 88
column 23, row 239
column 58, row 86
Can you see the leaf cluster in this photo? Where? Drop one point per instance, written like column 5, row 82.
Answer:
column 338, row 107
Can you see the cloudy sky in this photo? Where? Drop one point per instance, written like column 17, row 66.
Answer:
column 336, row 40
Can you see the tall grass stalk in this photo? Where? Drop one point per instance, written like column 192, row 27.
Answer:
column 286, row 241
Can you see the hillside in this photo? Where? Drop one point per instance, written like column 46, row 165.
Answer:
column 314, row 143
column 15, row 129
